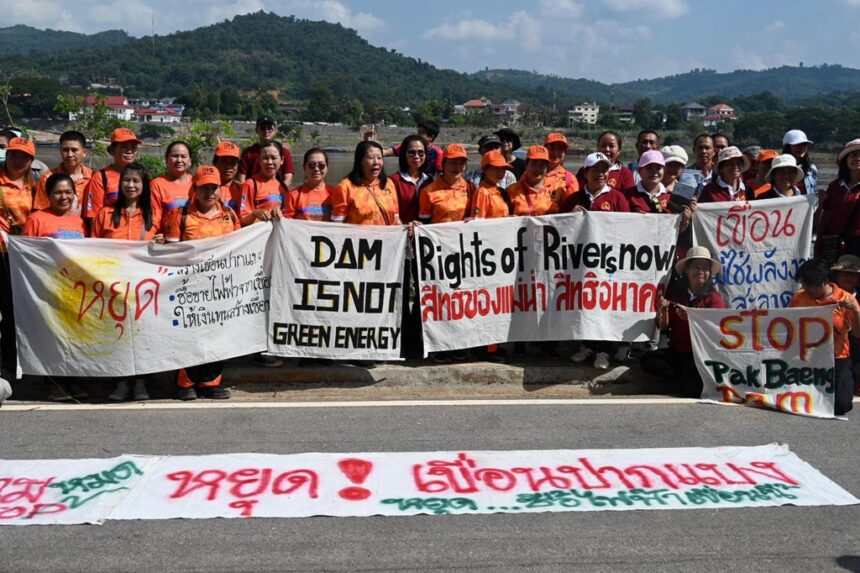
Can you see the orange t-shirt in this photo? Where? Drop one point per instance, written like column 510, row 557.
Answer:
column 130, row 228
column 561, row 177
column 365, row 204
column 232, row 196
column 309, row 204
column 48, row 224
column 169, row 195
column 527, row 200
column 443, row 203
column 488, row 203
column 41, row 200
column 200, row 226
column 842, row 317
column 262, row 194
column 16, row 203
column 95, row 194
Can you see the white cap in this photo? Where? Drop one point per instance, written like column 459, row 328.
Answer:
column 593, row 159
column 795, row 137
column 675, row 154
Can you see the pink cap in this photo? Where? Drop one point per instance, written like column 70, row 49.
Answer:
column 651, row 156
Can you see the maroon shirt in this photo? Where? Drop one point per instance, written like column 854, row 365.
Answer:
column 642, row 203
column 716, row 193
column 607, row 201
column 679, row 328
column 407, row 196
column 249, row 164
column 839, row 204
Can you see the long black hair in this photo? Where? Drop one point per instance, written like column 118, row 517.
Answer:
column 355, row 176
column 144, row 202
column 402, row 162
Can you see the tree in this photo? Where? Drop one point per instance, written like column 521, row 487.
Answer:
column 91, row 120
column 321, row 103
column 642, row 113
column 764, row 128
column 350, row 111
column 674, row 116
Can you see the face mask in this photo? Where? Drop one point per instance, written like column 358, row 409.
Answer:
column 2, row 155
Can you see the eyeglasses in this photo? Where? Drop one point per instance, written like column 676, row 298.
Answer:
column 414, row 153
column 321, row 166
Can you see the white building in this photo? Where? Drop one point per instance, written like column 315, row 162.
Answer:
column 584, row 113
column 117, row 107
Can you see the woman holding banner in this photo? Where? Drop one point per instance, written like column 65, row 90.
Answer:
column 59, row 222
column 695, row 289
column 205, row 216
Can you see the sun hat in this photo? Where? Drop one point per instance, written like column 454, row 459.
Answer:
column 228, row 149
column 509, row 134
column 124, row 135
column 698, row 253
column 593, row 159
column 849, row 147
column 651, row 156
column 456, row 151
column 767, row 155
column 732, row 152
column 494, row 158
column 22, row 145
column 795, row 137
column 555, row 137
column 785, row 160
column 207, row 175
column 675, row 154
column 847, row 264
column 538, row 152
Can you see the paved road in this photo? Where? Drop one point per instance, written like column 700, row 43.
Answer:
column 768, row 539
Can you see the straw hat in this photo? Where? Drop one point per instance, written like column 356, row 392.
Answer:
column 698, row 253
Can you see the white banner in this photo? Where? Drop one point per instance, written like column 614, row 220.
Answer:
column 338, row 290
column 779, row 358
column 408, row 483
column 583, row 276
column 100, row 307
column 761, row 244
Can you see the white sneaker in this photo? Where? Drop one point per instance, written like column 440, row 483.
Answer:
column 581, row 355
column 601, row 361
column 622, row 354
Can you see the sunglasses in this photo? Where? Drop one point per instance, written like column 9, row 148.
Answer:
column 414, row 153
column 321, row 166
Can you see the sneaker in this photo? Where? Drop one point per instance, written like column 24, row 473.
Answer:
column 140, row 392
column 581, row 355
column 59, row 394
column 601, row 361
column 622, row 354
column 186, row 394
column 215, row 393
column 121, row 392
column 77, row 392
column 267, row 360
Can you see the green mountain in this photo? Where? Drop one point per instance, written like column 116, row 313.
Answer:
column 577, row 89
column 265, row 52
column 22, row 39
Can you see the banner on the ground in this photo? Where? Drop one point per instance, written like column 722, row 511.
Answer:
column 583, row 276
column 41, row 492
column 760, row 244
column 100, row 307
column 774, row 358
column 337, row 291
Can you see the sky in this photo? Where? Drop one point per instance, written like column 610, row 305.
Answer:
column 605, row 40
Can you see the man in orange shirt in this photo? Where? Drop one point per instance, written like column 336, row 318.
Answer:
column 817, row 290
column 103, row 188
column 73, row 152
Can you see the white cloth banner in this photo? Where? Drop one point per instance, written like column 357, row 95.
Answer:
column 408, row 483
column 337, row 290
column 760, row 244
column 584, row 276
column 779, row 358
column 100, row 307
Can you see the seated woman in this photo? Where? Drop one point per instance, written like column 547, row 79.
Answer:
column 58, row 222
column 695, row 289
column 813, row 276
column 204, row 216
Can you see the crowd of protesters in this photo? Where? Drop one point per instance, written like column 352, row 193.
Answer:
column 434, row 185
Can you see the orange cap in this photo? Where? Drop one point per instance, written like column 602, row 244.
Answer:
column 22, row 145
column 767, row 155
column 494, row 158
column 455, row 151
column 123, row 135
column 228, row 149
column 207, row 175
column 538, row 152
column 555, row 137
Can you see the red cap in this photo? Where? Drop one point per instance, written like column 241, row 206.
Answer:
column 123, row 135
